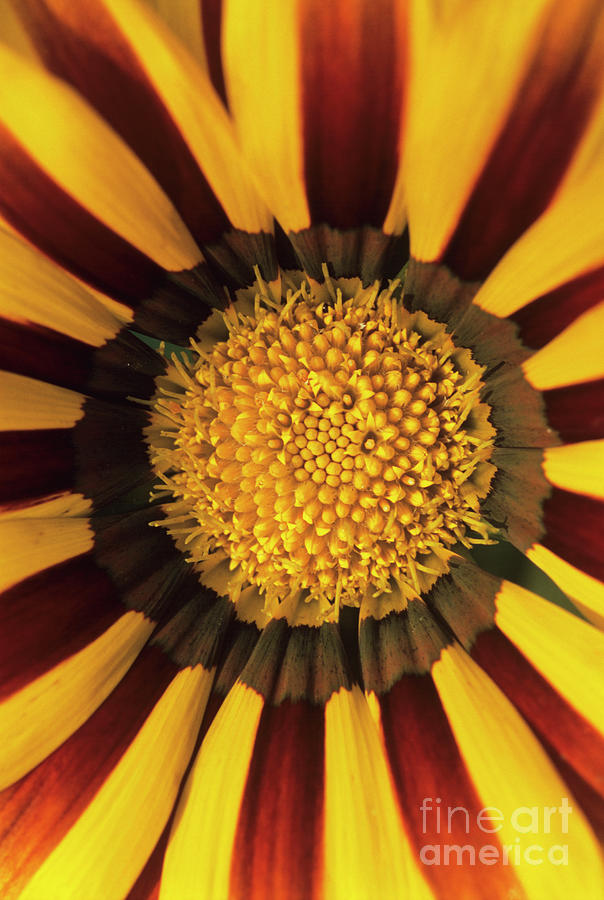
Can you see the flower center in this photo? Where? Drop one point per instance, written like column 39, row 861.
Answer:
column 334, row 444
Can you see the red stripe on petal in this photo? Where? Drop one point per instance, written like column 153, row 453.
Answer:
column 574, row 527
column 45, row 354
column 540, row 321
column 146, row 886
column 35, row 464
column 549, row 714
column 429, row 771
column 589, row 801
column 52, row 220
column 535, row 145
column 51, row 616
column 278, row 845
column 124, row 366
column 577, row 411
column 212, row 36
column 352, row 60
column 81, row 44
column 38, row 811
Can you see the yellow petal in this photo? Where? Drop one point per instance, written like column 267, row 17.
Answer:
column 512, row 773
column 576, row 467
column 39, row 717
column 65, row 504
column 73, row 145
column 567, row 651
column 36, row 290
column 185, row 19
column 459, row 93
column 12, row 31
column 367, row 852
column 197, row 110
column 198, row 858
column 28, row 404
column 29, row 545
column 261, row 52
column 103, row 853
column 566, row 241
column 587, row 592
column 573, row 356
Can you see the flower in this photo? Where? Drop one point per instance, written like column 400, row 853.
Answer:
column 248, row 649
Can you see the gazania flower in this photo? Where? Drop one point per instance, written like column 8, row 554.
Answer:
column 248, row 651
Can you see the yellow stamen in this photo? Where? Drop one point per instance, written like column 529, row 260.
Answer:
column 329, row 445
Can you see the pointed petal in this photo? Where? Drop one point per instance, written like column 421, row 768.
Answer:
column 372, row 852
column 28, row 404
column 512, row 773
column 89, row 161
column 121, row 57
column 459, row 137
column 397, row 652
column 586, row 591
column 38, row 811
column 352, row 123
column 550, row 111
column 199, row 851
column 42, row 715
column 575, row 355
column 577, row 467
column 105, row 850
column 262, row 59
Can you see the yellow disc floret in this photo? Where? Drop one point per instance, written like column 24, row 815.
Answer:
column 334, row 443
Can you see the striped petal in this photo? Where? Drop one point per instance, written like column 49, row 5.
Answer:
column 397, row 653
column 88, row 161
column 574, row 356
column 541, row 656
column 121, row 57
column 464, row 143
column 38, row 811
column 90, row 861
column 310, row 124
column 511, row 772
column 586, row 591
column 43, row 714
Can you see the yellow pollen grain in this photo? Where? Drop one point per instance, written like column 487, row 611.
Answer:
column 325, row 446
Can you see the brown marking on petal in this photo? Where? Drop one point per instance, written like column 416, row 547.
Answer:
column 540, row 321
column 278, row 843
column 577, row 411
column 401, row 643
column 112, row 465
column 39, row 809
column 297, row 663
column 81, row 43
column 465, row 600
column 35, row 464
column 124, row 366
column 426, row 763
column 518, row 491
column 195, row 635
column 234, row 256
column 366, row 253
column 536, row 143
column 550, row 715
column 574, row 527
column 50, row 616
column 351, row 134
column 151, row 575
